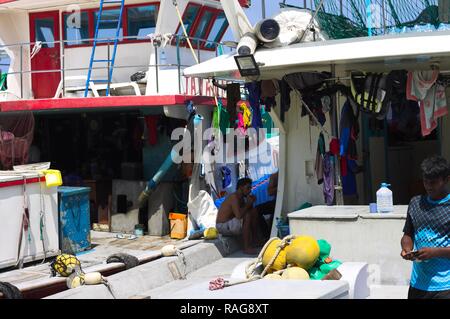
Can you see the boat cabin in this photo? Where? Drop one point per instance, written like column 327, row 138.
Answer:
column 97, row 87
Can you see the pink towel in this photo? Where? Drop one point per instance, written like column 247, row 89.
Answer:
column 422, row 87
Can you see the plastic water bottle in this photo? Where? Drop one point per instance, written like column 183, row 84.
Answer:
column 163, row 60
column 384, row 199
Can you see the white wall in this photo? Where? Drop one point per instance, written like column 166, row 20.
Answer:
column 127, row 55
column 298, row 188
column 14, row 29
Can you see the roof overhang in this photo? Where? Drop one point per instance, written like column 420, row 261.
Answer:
column 382, row 53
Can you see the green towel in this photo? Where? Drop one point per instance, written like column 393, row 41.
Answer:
column 3, row 77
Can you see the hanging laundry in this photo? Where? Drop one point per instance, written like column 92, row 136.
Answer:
column 419, row 82
column 349, row 131
column 254, row 91
column 349, row 179
column 307, row 82
column 328, row 178
column 422, row 87
column 224, row 118
column 432, row 107
column 320, row 158
column 267, row 121
column 151, row 121
column 343, row 165
column 244, row 117
column 268, row 92
column 334, row 146
column 233, row 96
column 285, row 98
column 226, row 177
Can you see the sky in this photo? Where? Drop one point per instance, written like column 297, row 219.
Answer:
column 254, row 14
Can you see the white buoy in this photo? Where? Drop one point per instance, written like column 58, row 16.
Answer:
column 267, row 30
column 247, row 45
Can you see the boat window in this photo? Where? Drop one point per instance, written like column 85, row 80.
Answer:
column 44, row 32
column 108, row 24
column 142, row 21
column 4, row 63
column 203, row 25
column 217, row 31
column 190, row 14
column 76, row 29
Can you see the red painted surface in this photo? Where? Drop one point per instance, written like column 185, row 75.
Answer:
column 7, row 1
column 45, row 84
column 103, row 102
column 245, row 3
column 20, row 182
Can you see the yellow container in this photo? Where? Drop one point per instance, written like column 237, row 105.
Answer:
column 178, row 225
column 52, row 178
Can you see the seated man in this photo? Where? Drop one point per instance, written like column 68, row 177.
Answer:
column 237, row 216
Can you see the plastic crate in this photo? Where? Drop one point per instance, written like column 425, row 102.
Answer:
column 74, row 219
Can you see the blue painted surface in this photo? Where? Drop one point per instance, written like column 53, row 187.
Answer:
column 259, row 189
column 74, row 219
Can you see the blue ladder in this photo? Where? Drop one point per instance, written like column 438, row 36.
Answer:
column 109, row 60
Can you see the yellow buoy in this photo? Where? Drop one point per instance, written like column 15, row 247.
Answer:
column 280, row 261
column 303, row 252
column 211, row 233
column 272, row 277
column 295, row 273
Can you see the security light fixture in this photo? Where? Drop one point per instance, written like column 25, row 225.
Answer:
column 247, row 65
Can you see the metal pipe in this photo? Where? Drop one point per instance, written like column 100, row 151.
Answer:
column 157, row 69
column 63, row 70
column 335, row 129
column 109, row 70
column 198, row 51
column 21, row 72
column 263, row 7
column 179, row 65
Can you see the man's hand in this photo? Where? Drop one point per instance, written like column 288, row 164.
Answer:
column 251, row 199
column 407, row 255
column 426, row 253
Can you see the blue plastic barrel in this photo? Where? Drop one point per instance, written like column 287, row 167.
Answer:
column 74, row 219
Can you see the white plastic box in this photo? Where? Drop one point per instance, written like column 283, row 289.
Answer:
column 11, row 214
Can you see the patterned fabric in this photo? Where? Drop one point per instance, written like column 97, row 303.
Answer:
column 429, row 225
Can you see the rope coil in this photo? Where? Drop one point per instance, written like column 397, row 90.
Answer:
column 220, row 283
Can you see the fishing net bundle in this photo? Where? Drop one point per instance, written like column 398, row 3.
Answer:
column 353, row 18
column 16, row 136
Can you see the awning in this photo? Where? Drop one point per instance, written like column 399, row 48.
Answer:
column 381, row 53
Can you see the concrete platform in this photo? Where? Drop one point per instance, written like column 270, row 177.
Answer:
column 269, row 289
column 134, row 282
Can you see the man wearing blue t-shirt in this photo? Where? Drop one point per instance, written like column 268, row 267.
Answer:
column 426, row 239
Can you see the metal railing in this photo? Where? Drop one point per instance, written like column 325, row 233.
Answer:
column 176, row 40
